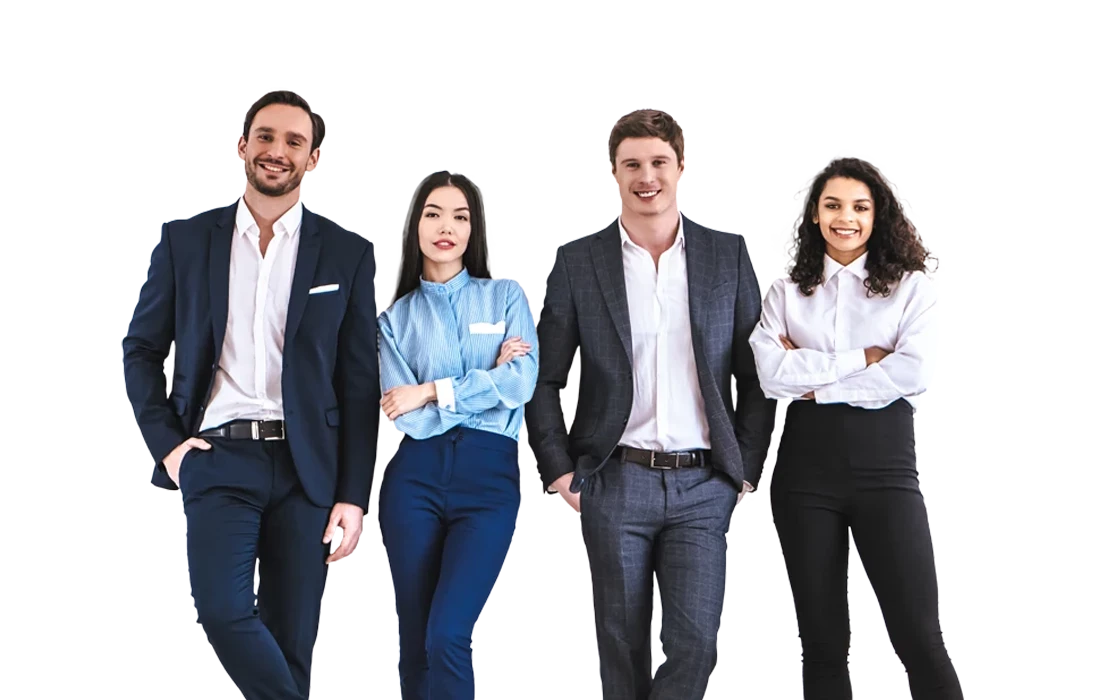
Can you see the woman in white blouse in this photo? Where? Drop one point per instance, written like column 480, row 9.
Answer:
column 847, row 338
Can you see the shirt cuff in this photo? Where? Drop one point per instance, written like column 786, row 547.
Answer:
column 444, row 389
column 850, row 362
column 827, row 394
column 748, row 487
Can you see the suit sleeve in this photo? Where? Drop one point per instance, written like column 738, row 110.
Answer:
column 755, row 413
column 558, row 342
column 146, row 347
column 358, row 385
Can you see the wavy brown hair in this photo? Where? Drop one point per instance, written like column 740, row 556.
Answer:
column 894, row 248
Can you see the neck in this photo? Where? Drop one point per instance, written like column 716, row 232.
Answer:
column 267, row 210
column 440, row 273
column 654, row 233
column 845, row 257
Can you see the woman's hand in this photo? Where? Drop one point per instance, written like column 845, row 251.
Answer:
column 406, row 398
column 511, row 349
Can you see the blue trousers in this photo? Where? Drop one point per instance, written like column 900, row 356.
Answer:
column 448, row 506
column 243, row 502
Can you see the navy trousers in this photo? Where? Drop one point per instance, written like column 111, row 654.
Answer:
column 448, row 507
column 843, row 469
column 243, row 502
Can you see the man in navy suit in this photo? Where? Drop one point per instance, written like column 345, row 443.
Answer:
column 269, row 429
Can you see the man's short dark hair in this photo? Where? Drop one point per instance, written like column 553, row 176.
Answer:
column 644, row 123
column 286, row 97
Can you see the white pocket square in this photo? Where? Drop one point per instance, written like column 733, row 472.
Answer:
column 322, row 289
column 487, row 328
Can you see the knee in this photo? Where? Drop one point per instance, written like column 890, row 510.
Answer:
column 825, row 654
column 447, row 644
column 705, row 653
column 922, row 653
column 220, row 618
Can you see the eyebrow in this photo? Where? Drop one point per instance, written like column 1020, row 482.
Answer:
column 636, row 160
column 269, row 130
column 439, row 208
column 837, row 199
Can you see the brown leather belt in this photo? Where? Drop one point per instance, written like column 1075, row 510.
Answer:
column 249, row 430
column 663, row 460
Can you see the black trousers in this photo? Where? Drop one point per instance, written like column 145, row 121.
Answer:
column 244, row 503
column 843, row 469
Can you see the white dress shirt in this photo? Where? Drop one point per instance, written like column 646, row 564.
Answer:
column 832, row 328
column 668, row 412
column 248, row 384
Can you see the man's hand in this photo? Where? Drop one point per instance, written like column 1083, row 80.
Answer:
column 562, row 486
column 511, row 349
column 173, row 461
column 406, row 398
column 350, row 519
column 748, row 488
column 874, row 354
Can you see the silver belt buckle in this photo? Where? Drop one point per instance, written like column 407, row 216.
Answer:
column 653, row 465
column 256, row 432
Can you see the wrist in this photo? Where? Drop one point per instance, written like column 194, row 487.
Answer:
column 429, row 393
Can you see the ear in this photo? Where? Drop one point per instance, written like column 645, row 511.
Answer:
column 681, row 166
column 313, row 161
column 242, row 148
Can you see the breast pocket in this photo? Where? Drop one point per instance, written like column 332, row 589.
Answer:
column 482, row 347
column 325, row 307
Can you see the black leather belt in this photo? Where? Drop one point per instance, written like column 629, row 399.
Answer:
column 663, row 460
column 249, row 430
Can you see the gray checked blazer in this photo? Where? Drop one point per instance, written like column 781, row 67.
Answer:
column 586, row 307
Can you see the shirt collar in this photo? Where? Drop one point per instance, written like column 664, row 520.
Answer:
column 287, row 225
column 679, row 240
column 856, row 267
column 452, row 285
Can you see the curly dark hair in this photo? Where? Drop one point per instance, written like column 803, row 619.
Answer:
column 894, row 247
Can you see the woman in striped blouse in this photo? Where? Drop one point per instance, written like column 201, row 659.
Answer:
column 457, row 363
column 847, row 338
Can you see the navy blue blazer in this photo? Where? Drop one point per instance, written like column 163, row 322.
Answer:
column 331, row 376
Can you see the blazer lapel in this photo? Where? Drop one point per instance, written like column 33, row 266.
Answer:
column 220, row 252
column 608, row 262
column 306, row 262
column 700, row 271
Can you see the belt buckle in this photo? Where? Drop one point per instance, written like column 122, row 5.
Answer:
column 256, row 432
column 665, row 467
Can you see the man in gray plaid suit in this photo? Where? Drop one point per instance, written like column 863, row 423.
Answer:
column 657, row 456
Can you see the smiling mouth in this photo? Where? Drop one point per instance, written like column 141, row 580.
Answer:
column 845, row 232
column 647, row 194
column 277, row 169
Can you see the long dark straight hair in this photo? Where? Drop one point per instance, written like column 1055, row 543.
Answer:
column 475, row 257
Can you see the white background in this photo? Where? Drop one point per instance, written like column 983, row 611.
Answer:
column 115, row 115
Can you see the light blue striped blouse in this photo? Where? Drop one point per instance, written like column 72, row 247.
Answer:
column 450, row 334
